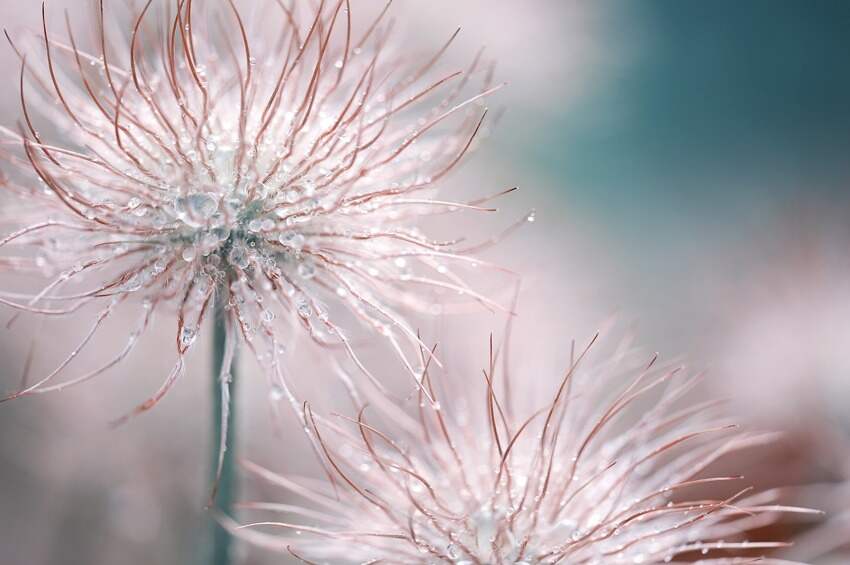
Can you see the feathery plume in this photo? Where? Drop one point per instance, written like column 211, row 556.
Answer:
column 279, row 168
column 606, row 471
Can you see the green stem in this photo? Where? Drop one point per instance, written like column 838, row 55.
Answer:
column 226, row 494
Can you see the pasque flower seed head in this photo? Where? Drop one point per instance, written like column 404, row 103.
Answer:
column 187, row 155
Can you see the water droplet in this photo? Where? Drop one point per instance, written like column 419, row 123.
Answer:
column 276, row 392
column 238, row 257
column 195, row 209
column 306, row 270
column 188, row 336
column 292, row 195
column 133, row 284
column 304, row 309
column 292, row 240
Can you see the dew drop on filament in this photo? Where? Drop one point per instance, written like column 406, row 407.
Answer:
column 188, row 336
column 195, row 209
column 276, row 393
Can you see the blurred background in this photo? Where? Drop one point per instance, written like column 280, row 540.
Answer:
column 689, row 166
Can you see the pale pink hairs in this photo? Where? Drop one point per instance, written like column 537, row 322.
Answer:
column 608, row 470
column 186, row 157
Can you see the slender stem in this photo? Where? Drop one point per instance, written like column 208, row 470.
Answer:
column 226, row 493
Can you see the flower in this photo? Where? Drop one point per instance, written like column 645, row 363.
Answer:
column 279, row 169
column 785, row 323
column 609, row 470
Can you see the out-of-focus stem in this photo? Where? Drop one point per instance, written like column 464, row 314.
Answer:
column 221, row 542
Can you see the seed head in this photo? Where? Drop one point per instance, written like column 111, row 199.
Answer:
column 189, row 156
column 609, row 470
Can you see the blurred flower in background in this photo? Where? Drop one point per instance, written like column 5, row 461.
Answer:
column 784, row 332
